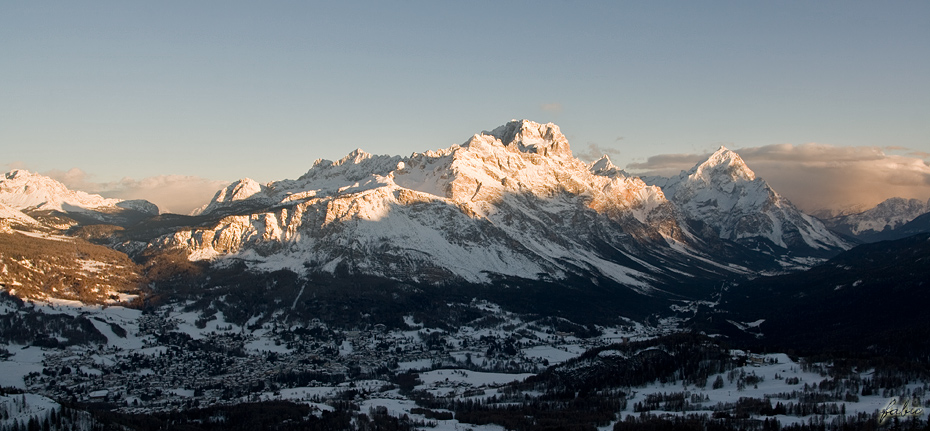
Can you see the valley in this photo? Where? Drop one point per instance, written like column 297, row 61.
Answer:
column 497, row 284
column 173, row 359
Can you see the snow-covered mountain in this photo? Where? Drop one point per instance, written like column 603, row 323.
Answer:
column 884, row 217
column 22, row 189
column 509, row 202
column 10, row 217
column 23, row 192
column 725, row 194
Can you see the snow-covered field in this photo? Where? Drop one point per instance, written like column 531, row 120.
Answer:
column 468, row 363
column 20, row 408
column 776, row 374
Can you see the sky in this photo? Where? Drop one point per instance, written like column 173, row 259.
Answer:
column 171, row 100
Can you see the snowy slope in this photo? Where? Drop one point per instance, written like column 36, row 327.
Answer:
column 22, row 191
column 725, row 194
column 11, row 216
column 888, row 215
column 511, row 201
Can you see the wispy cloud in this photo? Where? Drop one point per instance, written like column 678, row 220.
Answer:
column 551, row 107
column 666, row 165
column 910, row 152
column 818, row 177
column 12, row 166
column 179, row 194
column 812, row 153
column 594, row 152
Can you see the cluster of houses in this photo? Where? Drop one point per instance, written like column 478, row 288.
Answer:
column 174, row 369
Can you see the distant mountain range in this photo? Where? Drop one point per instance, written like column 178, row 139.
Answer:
column 724, row 193
column 887, row 220
column 426, row 281
column 31, row 200
column 512, row 203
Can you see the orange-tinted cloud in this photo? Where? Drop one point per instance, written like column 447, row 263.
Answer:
column 667, row 164
column 595, row 152
column 178, row 194
column 821, row 178
column 554, row 107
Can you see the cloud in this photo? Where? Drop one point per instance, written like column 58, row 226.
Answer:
column 12, row 166
column 74, row 179
column 594, row 152
column 820, row 178
column 910, row 152
column 178, row 194
column 667, row 164
column 551, row 107
column 812, row 153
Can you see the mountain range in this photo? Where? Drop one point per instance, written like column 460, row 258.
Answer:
column 30, row 199
column 426, row 281
column 512, row 203
column 887, row 220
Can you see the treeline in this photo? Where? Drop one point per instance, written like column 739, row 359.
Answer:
column 28, row 326
column 16, row 414
column 704, row 422
column 70, row 269
column 820, row 311
column 586, row 392
column 358, row 301
column 519, row 411
column 269, row 415
column 685, row 357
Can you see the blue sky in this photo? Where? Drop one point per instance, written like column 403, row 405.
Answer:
column 224, row 90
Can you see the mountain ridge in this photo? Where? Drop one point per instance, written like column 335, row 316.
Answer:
column 521, row 165
column 724, row 193
column 30, row 196
column 881, row 221
column 509, row 203
column 512, row 201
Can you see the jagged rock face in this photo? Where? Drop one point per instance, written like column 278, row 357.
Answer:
column 512, row 201
column 604, row 167
column 888, row 215
column 725, row 194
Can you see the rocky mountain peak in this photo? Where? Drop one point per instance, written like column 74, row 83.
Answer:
column 239, row 190
column 530, row 137
column 723, row 161
column 604, row 167
column 22, row 189
column 356, row 156
column 17, row 173
column 724, row 193
column 23, row 193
